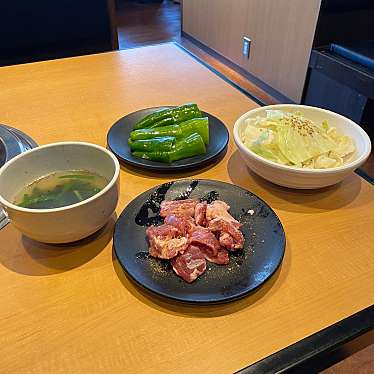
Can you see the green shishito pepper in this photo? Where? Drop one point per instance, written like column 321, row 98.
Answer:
column 162, row 144
column 182, row 130
column 190, row 146
column 163, row 122
column 169, row 116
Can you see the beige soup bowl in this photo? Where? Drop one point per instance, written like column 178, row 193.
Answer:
column 72, row 222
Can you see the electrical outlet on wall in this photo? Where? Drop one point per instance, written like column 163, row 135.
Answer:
column 246, row 46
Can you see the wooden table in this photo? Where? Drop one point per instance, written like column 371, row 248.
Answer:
column 72, row 310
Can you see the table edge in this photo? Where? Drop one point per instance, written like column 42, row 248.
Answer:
column 311, row 351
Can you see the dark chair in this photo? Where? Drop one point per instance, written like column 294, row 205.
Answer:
column 341, row 75
column 43, row 29
column 340, row 79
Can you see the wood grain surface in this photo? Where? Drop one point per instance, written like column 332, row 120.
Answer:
column 70, row 309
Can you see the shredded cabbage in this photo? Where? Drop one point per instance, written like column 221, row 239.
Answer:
column 293, row 140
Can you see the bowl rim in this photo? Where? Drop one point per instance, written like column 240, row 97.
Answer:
column 352, row 164
column 110, row 184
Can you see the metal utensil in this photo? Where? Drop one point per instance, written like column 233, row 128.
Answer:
column 12, row 143
column 4, row 220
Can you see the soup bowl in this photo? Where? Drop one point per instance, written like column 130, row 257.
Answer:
column 68, row 223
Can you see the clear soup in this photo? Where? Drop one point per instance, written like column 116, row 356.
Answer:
column 59, row 189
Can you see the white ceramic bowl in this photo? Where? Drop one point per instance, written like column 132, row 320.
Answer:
column 297, row 177
column 72, row 222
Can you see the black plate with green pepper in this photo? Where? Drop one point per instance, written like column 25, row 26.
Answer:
column 168, row 138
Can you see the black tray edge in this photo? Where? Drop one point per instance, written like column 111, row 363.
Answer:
column 311, row 353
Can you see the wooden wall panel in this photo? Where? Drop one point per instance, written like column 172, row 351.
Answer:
column 281, row 31
column 218, row 24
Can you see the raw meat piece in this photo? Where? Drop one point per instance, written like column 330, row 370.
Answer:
column 220, row 225
column 178, row 207
column 226, row 241
column 204, row 238
column 190, row 264
column 200, row 213
column 165, row 241
column 194, row 233
column 183, row 224
column 219, row 209
column 221, row 258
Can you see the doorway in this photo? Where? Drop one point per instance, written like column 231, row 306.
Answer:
column 146, row 22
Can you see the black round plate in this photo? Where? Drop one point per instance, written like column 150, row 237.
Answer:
column 120, row 132
column 248, row 269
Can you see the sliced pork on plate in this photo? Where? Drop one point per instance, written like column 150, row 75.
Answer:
column 192, row 233
column 221, row 258
column 219, row 209
column 184, row 224
column 200, row 213
column 178, row 207
column 222, row 226
column 165, row 241
column 226, row 241
column 190, row 264
column 204, row 238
